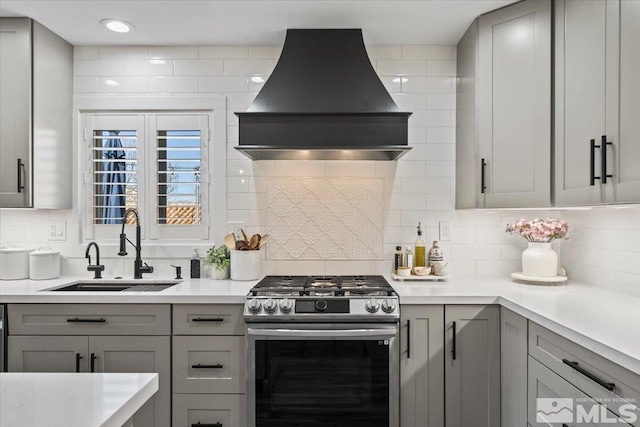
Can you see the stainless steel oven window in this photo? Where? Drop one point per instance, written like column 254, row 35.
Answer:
column 361, row 337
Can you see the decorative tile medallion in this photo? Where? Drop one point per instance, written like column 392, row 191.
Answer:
column 325, row 218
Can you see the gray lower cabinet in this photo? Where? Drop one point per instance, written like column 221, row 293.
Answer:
column 503, row 102
column 208, row 365
column 32, row 347
column 421, row 366
column 513, row 368
column 472, row 365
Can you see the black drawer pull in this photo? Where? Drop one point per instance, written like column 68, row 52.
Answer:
column 603, row 147
column 79, row 320
column 206, row 425
column 483, row 186
column 93, row 362
column 20, row 170
column 78, row 357
column 199, row 366
column 207, row 319
column 574, row 365
column 592, row 163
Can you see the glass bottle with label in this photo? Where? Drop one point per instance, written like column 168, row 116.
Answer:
column 408, row 257
column 435, row 253
column 398, row 259
column 419, row 252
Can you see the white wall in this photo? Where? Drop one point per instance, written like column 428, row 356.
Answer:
column 418, row 187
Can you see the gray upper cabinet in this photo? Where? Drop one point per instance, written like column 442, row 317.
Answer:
column 36, row 82
column 597, row 99
column 504, row 109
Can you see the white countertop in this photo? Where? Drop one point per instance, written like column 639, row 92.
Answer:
column 72, row 400
column 604, row 321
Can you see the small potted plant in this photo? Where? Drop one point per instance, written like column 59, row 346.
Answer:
column 220, row 260
column 539, row 259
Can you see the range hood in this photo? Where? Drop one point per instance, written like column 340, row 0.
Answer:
column 323, row 101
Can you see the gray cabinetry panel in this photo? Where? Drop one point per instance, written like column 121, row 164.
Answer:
column 208, row 319
column 193, row 409
column 47, row 353
column 513, row 372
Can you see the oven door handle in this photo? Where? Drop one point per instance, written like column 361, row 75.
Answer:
column 324, row 333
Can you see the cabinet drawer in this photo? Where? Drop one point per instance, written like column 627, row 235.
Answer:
column 568, row 402
column 208, row 364
column 553, row 350
column 208, row 409
column 89, row 319
column 205, row 319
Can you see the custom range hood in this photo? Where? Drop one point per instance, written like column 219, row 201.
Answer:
column 323, row 101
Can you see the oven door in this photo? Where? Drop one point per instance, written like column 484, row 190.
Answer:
column 337, row 375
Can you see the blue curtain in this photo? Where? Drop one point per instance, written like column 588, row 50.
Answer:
column 114, row 181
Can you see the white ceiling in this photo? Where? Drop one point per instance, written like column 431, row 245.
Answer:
column 204, row 22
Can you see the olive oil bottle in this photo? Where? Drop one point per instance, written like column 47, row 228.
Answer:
column 419, row 252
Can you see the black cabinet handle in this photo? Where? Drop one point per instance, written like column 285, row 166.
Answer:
column 453, row 344
column 483, row 166
column 603, row 148
column 93, row 362
column 565, row 425
column 408, row 339
column 609, row 386
column 207, row 319
column 592, row 163
column 78, row 358
column 79, row 320
column 206, row 425
column 199, row 366
column 20, row 170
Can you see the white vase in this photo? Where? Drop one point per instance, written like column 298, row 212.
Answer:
column 219, row 274
column 245, row 265
column 539, row 260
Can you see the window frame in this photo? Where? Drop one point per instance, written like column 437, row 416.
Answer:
column 152, row 106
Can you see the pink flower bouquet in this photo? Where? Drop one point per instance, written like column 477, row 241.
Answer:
column 538, row 230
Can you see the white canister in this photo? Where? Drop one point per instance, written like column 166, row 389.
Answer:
column 44, row 264
column 14, row 263
column 245, row 265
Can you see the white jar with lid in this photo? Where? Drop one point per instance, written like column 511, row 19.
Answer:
column 14, row 263
column 44, row 264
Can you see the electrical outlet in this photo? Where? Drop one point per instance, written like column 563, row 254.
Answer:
column 445, row 231
column 57, row 230
column 235, row 227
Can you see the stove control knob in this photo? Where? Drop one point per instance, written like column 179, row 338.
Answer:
column 255, row 305
column 372, row 305
column 286, row 305
column 388, row 306
column 270, row 306
column 321, row 305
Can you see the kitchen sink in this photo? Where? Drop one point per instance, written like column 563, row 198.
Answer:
column 113, row 286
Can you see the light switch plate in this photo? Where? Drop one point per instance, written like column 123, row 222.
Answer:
column 57, row 230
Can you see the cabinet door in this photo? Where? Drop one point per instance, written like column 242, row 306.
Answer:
column 209, row 409
column 15, row 112
column 580, row 100
column 47, row 354
column 623, row 100
column 514, row 104
column 472, row 366
column 513, row 368
column 421, row 360
column 138, row 354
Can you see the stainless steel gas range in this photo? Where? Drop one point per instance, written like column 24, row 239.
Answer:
column 322, row 351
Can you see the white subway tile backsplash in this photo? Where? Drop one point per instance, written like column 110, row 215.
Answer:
column 223, row 84
column 416, row 135
column 123, row 52
column 223, row 52
column 173, row 84
column 247, row 67
column 440, row 202
column 394, row 67
column 197, row 67
column 441, row 67
column 12, row 234
column 85, row 52
column 173, row 52
column 427, row 52
column 441, row 135
column 429, row 85
column 441, row 101
column 120, row 84
column 440, row 169
column 85, row 84
column 411, row 169
column 146, row 68
column 265, row 52
column 410, row 101
column 385, row 52
column 392, row 84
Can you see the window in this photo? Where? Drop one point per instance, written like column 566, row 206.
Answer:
column 156, row 163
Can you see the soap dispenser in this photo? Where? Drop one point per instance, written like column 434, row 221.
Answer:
column 195, row 264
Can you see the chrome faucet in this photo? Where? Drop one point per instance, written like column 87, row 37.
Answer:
column 97, row 268
column 138, row 268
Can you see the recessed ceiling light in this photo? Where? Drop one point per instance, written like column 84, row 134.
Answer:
column 117, row 25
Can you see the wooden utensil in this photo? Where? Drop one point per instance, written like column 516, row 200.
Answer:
column 241, row 245
column 254, row 242
column 244, row 236
column 230, row 241
column 263, row 241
